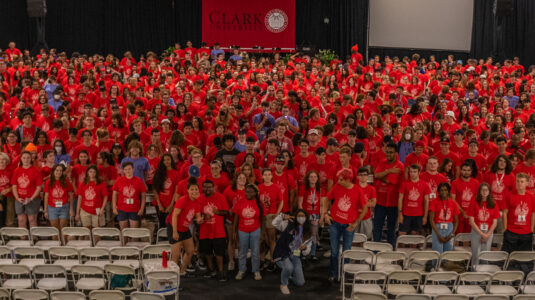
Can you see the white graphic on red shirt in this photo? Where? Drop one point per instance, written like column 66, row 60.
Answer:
column 266, row 200
column 344, row 203
column 447, row 214
column 248, row 212
column 4, row 180
column 129, row 191
column 521, row 212
column 414, row 195
column 483, row 215
column 303, row 169
column 432, row 186
column 167, row 184
column 58, row 192
column 497, row 187
column 90, row 193
column 467, row 195
column 531, row 181
column 23, row 181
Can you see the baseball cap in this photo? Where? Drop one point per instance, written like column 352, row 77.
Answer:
column 419, row 144
column 165, row 121
column 445, row 140
column 30, row 147
column 450, row 113
column 280, row 160
column 320, row 150
column 459, row 131
column 194, row 171
column 313, row 131
column 332, row 142
column 473, row 141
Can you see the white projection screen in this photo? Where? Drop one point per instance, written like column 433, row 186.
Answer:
column 421, row 24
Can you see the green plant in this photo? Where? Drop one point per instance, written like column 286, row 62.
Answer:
column 167, row 52
column 286, row 58
column 326, row 56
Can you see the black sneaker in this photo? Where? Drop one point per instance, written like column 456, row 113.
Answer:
column 222, row 277
column 271, row 267
column 201, row 265
column 209, row 274
column 190, row 269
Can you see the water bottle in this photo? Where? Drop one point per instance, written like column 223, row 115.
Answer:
column 164, row 259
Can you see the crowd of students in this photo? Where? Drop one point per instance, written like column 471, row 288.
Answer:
column 258, row 155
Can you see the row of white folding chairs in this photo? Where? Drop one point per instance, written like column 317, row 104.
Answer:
column 375, row 296
column 506, row 283
column 38, row 294
column 69, row 256
column 46, row 237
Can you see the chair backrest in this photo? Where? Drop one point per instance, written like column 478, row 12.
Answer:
column 491, row 297
column 5, row 252
column 378, row 246
column 44, row 232
column 480, row 278
column 462, row 238
column 521, row 256
column 419, row 258
column 530, row 279
column 146, row 296
column 359, row 238
column 441, row 277
column 4, row 293
column 368, row 296
column 8, row 233
column 358, row 255
column 155, row 251
column 413, row 297
column 138, row 233
column 451, row 297
column 375, row 277
column 161, row 235
column 456, row 256
column 63, row 253
column 49, row 270
column 58, row 295
column 163, row 282
column 106, row 295
column 28, row 252
column 94, row 253
column 119, row 270
column 119, row 253
column 405, row 276
column 390, row 257
column 27, row 294
column 75, row 232
column 87, row 271
column 16, row 270
column 523, row 297
column 108, row 232
column 512, row 278
column 493, row 256
column 417, row 240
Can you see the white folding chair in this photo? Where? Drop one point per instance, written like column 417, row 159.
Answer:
column 163, row 282
column 461, row 242
column 416, row 243
column 491, row 297
column 422, row 260
column 107, row 237
column 145, row 296
column 16, row 277
column 161, row 236
column 370, row 281
column 506, row 283
column 523, row 297
column 451, row 297
column 413, row 297
column 460, row 257
column 64, row 256
column 529, row 284
column 106, row 295
column 153, row 253
column 439, row 283
column 88, row 278
column 126, row 256
column 520, row 257
column 358, row 240
column 43, row 237
column 378, row 246
column 121, row 270
column 15, row 237
column 95, row 256
column 4, row 294
column 50, row 277
column 357, row 260
column 141, row 236
column 59, row 295
column 77, row 237
column 30, row 294
column 491, row 261
column 390, row 261
column 5, row 256
column 472, row 283
column 403, row 282
column 29, row 256
column 369, row 296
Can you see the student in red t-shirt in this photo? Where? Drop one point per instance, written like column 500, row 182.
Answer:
column 92, row 198
column 484, row 214
column 519, row 217
column 272, row 203
column 443, row 218
column 128, row 197
column 310, row 198
column 463, row 191
column 502, row 182
column 368, row 192
column 234, row 194
column 413, row 204
column 164, row 185
column 58, row 191
column 6, row 197
column 27, row 182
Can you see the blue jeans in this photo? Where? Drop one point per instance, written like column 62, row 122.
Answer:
column 291, row 268
column 249, row 240
column 442, row 247
column 337, row 231
column 391, row 215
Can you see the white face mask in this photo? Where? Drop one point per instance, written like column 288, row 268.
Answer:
column 408, row 136
column 301, row 220
column 58, row 149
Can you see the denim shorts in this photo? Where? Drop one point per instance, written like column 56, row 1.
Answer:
column 125, row 216
column 55, row 213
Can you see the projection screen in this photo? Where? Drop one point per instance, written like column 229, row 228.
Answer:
column 421, row 24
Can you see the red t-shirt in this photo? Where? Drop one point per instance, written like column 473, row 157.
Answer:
column 91, row 196
column 220, row 183
column 169, row 185
column 286, row 184
column 520, row 209
column 500, row 186
column 128, row 191
column 483, row 216
column 444, row 210
column 347, row 203
column 214, row 227
column 413, row 159
column 530, row 171
column 387, row 193
column 413, row 197
column 465, row 191
column 270, row 197
column 5, row 179
column 188, row 209
column 368, row 193
column 249, row 215
column 26, row 181
column 311, row 199
column 58, row 195
column 433, row 181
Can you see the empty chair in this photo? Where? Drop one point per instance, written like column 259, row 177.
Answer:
column 77, row 237
column 413, row 297
column 410, row 243
column 358, row 240
column 370, row 281
column 439, row 283
column 4, row 294
column 136, row 237
column 491, row 297
column 29, row 294
column 59, row 295
column 107, row 237
column 163, row 282
column 461, row 242
column 422, row 261
column 377, row 246
column 5, row 256
column 390, row 261
column 123, row 271
column 529, row 284
column 64, row 256
column 50, row 277
column 145, row 296
column 506, row 283
column 15, row 237
column 403, row 282
column 126, row 256
column 490, row 261
column 153, row 253
column 354, row 261
column 88, row 278
column 161, row 236
column 369, row 296
column 16, row 277
column 519, row 257
column 454, row 259
column 523, row 297
column 451, row 297
column 30, row 256
column 106, row 295
column 95, row 256
column 472, row 283
column 45, row 237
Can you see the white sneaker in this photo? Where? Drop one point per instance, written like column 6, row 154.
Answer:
column 239, row 276
column 327, row 253
column 285, row 290
column 231, row 265
column 257, row 276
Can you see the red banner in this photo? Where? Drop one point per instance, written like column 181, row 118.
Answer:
column 249, row 23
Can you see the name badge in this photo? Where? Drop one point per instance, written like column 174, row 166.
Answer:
column 129, row 201
column 522, row 218
column 443, row 226
column 297, row 252
column 484, row 227
column 59, row 204
column 432, row 196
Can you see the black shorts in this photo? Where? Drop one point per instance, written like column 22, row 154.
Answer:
column 213, row 246
column 125, row 216
column 411, row 223
column 182, row 236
